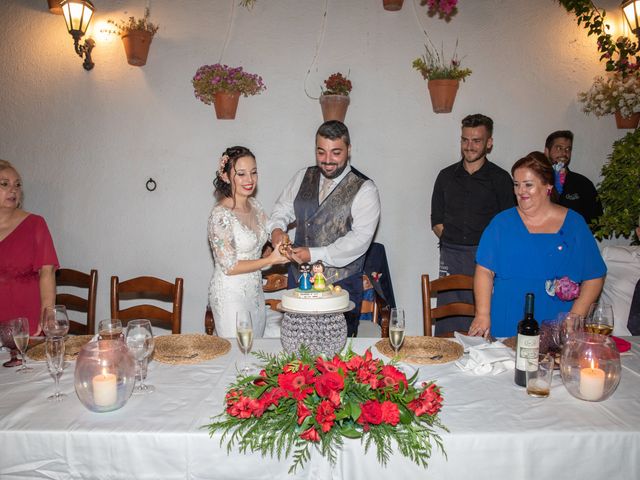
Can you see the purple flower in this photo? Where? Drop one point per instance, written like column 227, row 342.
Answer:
column 564, row 288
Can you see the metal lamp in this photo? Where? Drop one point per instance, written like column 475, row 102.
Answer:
column 77, row 16
column 631, row 10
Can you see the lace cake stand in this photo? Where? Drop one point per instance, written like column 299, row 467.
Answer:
column 324, row 332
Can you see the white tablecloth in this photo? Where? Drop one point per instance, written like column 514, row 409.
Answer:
column 497, row 431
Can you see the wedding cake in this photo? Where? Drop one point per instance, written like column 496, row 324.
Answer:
column 314, row 301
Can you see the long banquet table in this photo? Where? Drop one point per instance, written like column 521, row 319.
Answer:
column 496, row 430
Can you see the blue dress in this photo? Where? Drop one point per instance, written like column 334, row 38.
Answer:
column 523, row 261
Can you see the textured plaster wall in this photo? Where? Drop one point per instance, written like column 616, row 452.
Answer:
column 86, row 142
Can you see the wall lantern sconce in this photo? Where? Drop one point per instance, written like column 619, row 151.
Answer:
column 77, row 15
column 631, row 10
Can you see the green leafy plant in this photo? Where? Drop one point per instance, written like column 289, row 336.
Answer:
column 433, row 66
column 299, row 402
column 619, row 189
column 337, row 84
column 133, row 24
column 211, row 79
column 621, row 54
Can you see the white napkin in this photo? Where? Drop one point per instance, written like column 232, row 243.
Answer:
column 484, row 357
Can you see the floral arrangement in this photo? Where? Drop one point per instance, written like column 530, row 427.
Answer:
column 432, row 65
column 298, row 402
column 564, row 288
column 337, row 84
column 612, row 93
column 211, row 79
column 444, row 8
column 142, row 24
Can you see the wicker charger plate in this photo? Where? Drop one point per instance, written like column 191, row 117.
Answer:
column 420, row 350
column 72, row 346
column 189, row 349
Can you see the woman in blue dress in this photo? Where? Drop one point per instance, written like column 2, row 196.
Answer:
column 538, row 246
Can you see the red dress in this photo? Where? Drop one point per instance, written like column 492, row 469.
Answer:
column 22, row 254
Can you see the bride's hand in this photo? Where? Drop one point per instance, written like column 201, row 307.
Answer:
column 275, row 257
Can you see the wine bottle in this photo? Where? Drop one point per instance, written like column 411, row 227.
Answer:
column 528, row 343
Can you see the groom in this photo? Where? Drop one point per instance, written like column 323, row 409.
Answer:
column 336, row 211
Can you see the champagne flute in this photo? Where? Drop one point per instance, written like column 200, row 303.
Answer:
column 20, row 334
column 139, row 339
column 396, row 329
column 54, row 349
column 244, row 333
column 600, row 319
column 55, row 322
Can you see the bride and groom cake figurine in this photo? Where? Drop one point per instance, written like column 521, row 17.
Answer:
column 317, row 281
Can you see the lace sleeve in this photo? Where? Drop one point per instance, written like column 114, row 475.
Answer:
column 222, row 240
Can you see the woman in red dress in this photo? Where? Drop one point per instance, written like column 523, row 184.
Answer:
column 28, row 258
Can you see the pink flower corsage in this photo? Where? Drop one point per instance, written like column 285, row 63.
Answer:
column 564, row 288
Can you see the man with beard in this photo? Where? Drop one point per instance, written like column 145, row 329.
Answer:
column 576, row 191
column 466, row 196
column 336, row 211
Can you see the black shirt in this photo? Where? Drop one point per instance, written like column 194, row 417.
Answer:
column 465, row 204
column 580, row 195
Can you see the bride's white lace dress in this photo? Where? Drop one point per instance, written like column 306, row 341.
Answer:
column 236, row 236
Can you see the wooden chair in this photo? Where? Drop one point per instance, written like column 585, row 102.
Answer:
column 148, row 288
column 430, row 290
column 66, row 277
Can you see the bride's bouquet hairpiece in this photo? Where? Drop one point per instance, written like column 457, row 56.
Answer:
column 223, row 163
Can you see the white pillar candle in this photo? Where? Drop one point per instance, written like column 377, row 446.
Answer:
column 591, row 383
column 105, row 391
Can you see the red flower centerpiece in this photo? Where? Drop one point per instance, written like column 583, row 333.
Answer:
column 300, row 402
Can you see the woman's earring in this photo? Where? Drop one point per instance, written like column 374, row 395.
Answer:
column 548, row 192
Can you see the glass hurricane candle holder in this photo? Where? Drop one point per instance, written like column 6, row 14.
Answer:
column 590, row 366
column 105, row 375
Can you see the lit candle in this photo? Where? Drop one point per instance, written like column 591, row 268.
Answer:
column 591, row 382
column 105, row 391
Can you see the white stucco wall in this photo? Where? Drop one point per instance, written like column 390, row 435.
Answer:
column 86, row 142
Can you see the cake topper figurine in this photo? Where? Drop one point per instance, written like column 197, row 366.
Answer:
column 304, row 280
column 318, row 280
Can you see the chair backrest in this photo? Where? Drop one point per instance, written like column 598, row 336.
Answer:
column 148, row 288
column 430, row 290
column 66, row 277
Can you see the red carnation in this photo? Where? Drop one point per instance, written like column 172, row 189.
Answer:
column 329, row 382
column 325, row 415
column 303, row 412
column 371, row 413
column 390, row 413
column 393, row 377
column 310, row 434
column 429, row 402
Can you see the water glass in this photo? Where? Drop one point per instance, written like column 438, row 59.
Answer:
column 396, row 328
column 539, row 374
column 55, row 321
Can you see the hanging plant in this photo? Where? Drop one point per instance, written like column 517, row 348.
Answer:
column 136, row 35
column 334, row 100
column 445, row 9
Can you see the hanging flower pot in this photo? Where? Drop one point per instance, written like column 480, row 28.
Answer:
column 443, row 94
column 627, row 122
column 226, row 104
column 136, row 46
column 54, row 7
column 392, row 5
column 334, row 107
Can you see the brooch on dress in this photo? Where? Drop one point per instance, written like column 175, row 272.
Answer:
column 564, row 288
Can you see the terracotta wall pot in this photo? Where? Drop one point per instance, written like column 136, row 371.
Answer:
column 392, row 5
column 226, row 104
column 334, row 107
column 443, row 94
column 627, row 122
column 136, row 46
column 54, row 6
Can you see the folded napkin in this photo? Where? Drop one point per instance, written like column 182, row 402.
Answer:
column 622, row 344
column 484, row 357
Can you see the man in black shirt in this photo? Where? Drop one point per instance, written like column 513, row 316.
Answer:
column 577, row 191
column 466, row 196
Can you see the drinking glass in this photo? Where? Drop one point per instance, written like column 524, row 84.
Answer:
column 568, row 324
column 20, row 334
column 139, row 339
column 396, row 328
column 539, row 374
column 244, row 333
column 6, row 340
column 54, row 321
column 110, row 329
column 600, row 319
column 54, row 349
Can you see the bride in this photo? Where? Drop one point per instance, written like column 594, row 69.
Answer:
column 237, row 233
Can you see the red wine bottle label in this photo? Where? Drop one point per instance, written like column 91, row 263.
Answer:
column 528, row 347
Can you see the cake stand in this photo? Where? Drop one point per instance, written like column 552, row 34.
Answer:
column 321, row 332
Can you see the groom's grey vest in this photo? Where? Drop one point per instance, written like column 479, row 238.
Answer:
column 321, row 225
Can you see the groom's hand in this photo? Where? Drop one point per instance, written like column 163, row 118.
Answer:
column 278, row 236
column 300, row 255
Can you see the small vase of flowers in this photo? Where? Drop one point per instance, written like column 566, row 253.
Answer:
column 334, row 100
column 614, row 94
column 136, row 37
column 443, row 77
column 222, row 85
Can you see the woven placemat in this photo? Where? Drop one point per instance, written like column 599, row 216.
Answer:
column 72, row 346
column 420, row 350
column 189, row 348
column 510, row 342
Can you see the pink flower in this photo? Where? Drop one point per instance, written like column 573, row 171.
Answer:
column 566, row 289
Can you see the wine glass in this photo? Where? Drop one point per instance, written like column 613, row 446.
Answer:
column 54, row 349
column 110, row 329
column 568, row 324
column 396, row 329
column 600, row 319
column 139, row 339
column 20, row 334
column 55, row 322
column 6, row 340
column 244, row 333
